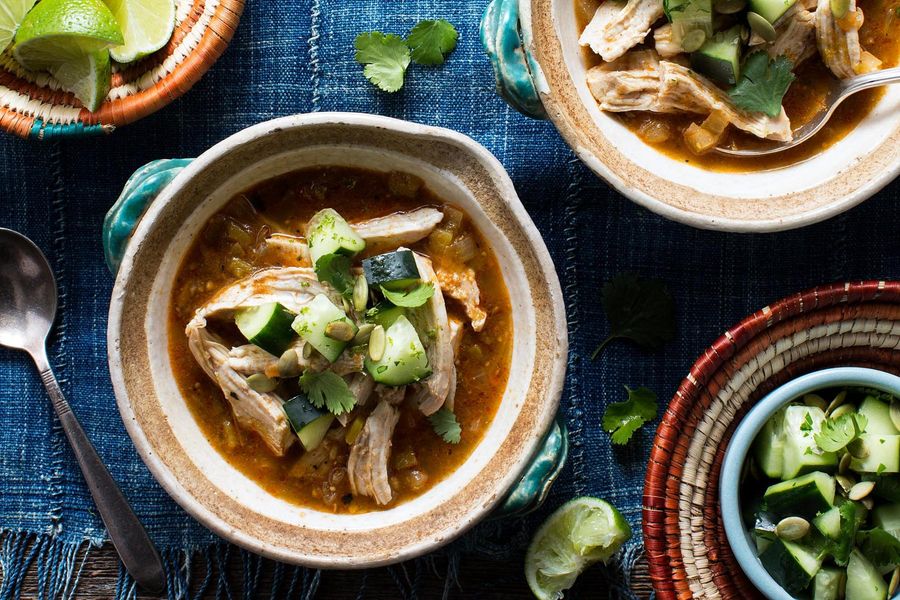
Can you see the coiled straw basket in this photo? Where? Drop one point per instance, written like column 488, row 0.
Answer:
column 33, row 106
column 855, row 324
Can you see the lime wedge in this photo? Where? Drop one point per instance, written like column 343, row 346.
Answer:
column 580, row 533
column 58, row 31
column 88, row 77
column 147, row 26
column 12, row 12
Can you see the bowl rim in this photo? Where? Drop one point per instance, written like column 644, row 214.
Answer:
column 739, row 446
column 875, row 168
column 553, row 385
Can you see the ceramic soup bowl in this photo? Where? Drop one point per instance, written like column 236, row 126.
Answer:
column 520, row 454
column 533, row 45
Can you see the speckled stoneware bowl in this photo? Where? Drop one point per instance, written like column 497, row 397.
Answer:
column 523, row 449
column 533, row 45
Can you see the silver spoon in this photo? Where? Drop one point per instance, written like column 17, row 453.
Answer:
column 27, row 311
column 840, row 91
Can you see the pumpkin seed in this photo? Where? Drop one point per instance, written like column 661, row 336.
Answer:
column 792, row 528
column 377, row 342
column 815, row 400
column 839, row 8
column 844, row 465
column 895, row 582
column 761, row 26
column 289, row 364
column 346, row 304
column 861, row 490
column 841, row 410
column 360, row 294
column 858, row 449
column 730, row 7
column 362, row 336
column 307, row 351
column 693, row 40
column 262, row 384
column 838, row 401
column 895, row 413
column 869, row 503
column 340, row 330
column 845, row 481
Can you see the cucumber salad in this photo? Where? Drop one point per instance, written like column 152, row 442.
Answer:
column 824, row 487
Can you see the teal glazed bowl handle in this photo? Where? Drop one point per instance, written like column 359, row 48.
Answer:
column 146, row 184
column 518, row 76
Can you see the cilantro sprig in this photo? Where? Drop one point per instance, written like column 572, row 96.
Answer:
column 641, row 310
column 413, row 298
column 335, row 269
column 879, row 546
column 763, row 84
column 387, row 56
column 445, row 425
column 329, row 390
column 622, row 419
column 836, row 434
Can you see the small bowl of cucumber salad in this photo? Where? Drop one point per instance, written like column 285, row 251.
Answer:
column 810, row 488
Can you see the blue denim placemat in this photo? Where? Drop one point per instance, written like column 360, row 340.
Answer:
column 290, row 57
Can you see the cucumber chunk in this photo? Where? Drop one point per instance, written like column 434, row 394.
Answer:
column 720, row 57
column 310, row 324
column 801, row 454
column 267, row 326
column 395, row 270
column 404, row 360
column 769, row 446
column 384, row 314
column 878, row 414
column 771, row 10
column 864, row 582
column 883, row 454
column 329, row 233
column 692, row 22
column 887, row 517
column 829, row 584
column 804, row 496
column 829, row 523
column 793, row 566
column 308, row 422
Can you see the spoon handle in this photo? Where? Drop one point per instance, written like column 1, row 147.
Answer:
column 870, row 80
column 134, row 546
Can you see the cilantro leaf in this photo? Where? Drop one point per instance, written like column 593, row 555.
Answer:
column 836, row 434
column 413, row 298
column 880, row 547
column 431, row 41
column 763, row 84
column 641, row 310
column 385, row 58
column 327, row 389
column 335, row 269
column 445, row 425
column 622, row 419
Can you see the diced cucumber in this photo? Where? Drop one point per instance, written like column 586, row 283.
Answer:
column 692, row 22
column 829, row 523
column 883, row 454
column 329, row 233
column 764, row 525
column 793, row 566
column 801, row 454
column 395, row 270
column 771, row 10
column 878, row 414
column 769, row 446
column 887, row 486
column 829, row 584
column 864, row 582
column 887, row 516
column 804, row 496
column 384, row 314
column 308, row 422
column 762, row 543
column 720, row 57
column 404, row 360
column 267, row 326
column 310, row 324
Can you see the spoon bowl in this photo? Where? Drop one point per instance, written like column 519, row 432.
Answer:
column 840, row 90
column 27, row 293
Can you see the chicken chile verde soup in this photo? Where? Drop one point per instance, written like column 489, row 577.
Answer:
column 342, row 336
column 687, row 76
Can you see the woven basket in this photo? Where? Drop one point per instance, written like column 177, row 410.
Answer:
column 33, row 106
column 855, row 324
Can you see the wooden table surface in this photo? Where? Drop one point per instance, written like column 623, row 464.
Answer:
column 98, row 581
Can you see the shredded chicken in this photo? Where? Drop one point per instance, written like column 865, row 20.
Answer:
column 361, row 386
column 461, row 285
column 249, row 359
column 838, row 41
column 287, row 250
column 457, row 331
column 795, row 35
column 616, row 28
column 349, row 362
column 399, row 229
column 665, row 43
column 389, row 394
column 369, row 455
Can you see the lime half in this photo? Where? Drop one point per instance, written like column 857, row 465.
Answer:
column 57, row 31
column 12, row 12
column 88, row 77
column 147, row 26
column 580, row 533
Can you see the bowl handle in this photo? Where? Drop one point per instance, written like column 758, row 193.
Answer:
column 140, row 190
column 531, row 490
column 505, row 36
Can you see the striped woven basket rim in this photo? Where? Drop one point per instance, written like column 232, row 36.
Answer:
column 33, row 106
column 843, row 324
